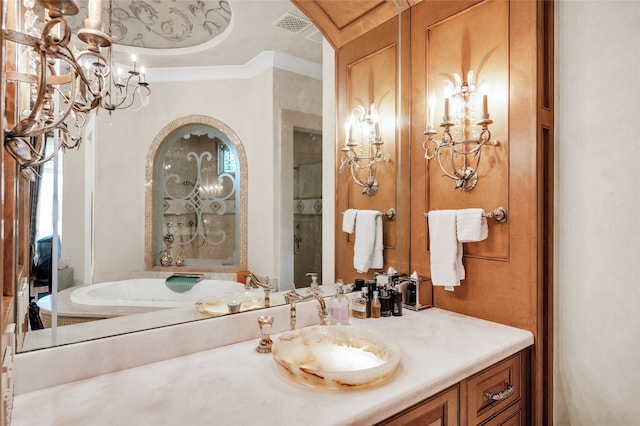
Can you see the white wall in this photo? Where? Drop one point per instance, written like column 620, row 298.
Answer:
column 597, row 286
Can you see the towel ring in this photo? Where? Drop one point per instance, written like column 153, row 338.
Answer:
column 499, row 214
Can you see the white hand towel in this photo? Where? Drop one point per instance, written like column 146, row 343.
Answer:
column 367, row 250
column 446, row 251
column 349, row 220
column 471, row 225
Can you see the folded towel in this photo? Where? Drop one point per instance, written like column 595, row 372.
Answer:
column 367, row 250
column 446, row 251
column 471, row 225
column 349, row 220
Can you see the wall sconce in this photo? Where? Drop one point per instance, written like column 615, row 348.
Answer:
column 66, row 86
column 457, row 138
column 362, row 149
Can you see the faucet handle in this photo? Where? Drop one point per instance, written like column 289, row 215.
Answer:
column 265, row 322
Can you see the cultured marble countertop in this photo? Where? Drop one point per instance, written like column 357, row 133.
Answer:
column 235, row 385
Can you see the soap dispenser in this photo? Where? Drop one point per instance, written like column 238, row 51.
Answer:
column 314, row 287
column 339, row 306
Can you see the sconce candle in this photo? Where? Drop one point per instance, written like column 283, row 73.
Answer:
column 142, row 77
column 484, row 89
column 447, row 94
column 347, row 132
column 133, row 59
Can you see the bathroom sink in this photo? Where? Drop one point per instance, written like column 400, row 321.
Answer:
column 336, row 356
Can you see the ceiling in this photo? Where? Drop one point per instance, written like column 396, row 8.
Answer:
column 198, row 33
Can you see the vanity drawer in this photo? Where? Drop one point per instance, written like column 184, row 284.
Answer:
column 494, row 389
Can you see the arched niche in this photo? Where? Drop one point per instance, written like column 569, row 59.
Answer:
column 190, row 194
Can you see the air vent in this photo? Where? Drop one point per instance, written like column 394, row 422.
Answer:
column 292, row 23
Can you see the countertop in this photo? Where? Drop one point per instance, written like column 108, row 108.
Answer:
column 235, row 385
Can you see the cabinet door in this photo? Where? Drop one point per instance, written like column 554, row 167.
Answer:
column 441, row 410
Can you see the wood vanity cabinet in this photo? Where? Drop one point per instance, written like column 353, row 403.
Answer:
column 496, row 396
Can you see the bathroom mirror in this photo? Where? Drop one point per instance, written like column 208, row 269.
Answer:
column 268, row 102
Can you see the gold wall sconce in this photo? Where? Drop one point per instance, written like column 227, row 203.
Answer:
column 459, row 149
column 362, row 149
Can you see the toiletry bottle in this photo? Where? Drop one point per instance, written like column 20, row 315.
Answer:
column 359, row 306
column 339, row 306
column 367, row 296
column 372, row 285
column 375, row 305
column 411, row 293
column 396, row 302
column 385, row 302
column 358, row 283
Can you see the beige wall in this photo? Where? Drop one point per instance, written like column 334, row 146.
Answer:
column 123, row 139
column 597, row 286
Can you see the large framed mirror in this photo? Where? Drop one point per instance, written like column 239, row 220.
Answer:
column 266, row 93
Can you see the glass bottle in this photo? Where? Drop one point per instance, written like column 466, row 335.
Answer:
column 339, row 313
column 396, row 300
column 359, row 306
column 375, row 305
column 411, row 293
column 385, row 302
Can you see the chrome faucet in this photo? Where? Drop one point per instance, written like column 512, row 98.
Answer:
column 256, row 281
column 292, row 297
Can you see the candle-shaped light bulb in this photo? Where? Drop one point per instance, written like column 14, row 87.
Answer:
column 95, row 9
column 375, row 120
column 133, row 59
column 94, row 15
column 142, row 77
column 431, row 110
column 347, row 132
column 448, row 90
column 484, row 90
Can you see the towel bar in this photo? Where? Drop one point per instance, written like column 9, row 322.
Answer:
column 389, row 214
column 499, row 214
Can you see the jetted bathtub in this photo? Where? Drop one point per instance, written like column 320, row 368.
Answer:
column 133, row 296
column 150, row 292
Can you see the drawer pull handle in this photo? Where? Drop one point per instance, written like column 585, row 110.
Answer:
column 503, row 394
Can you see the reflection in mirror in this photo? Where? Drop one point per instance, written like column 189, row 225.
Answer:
column 198, row 197
column 112, row 232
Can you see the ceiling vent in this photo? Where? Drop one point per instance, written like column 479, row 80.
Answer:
column 292, row 23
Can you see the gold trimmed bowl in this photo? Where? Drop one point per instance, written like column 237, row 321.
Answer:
column 336, row 356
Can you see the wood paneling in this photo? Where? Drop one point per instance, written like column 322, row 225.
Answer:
column 509, row 277
column 343, row 21
column 501, row 278
column 361, row 82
